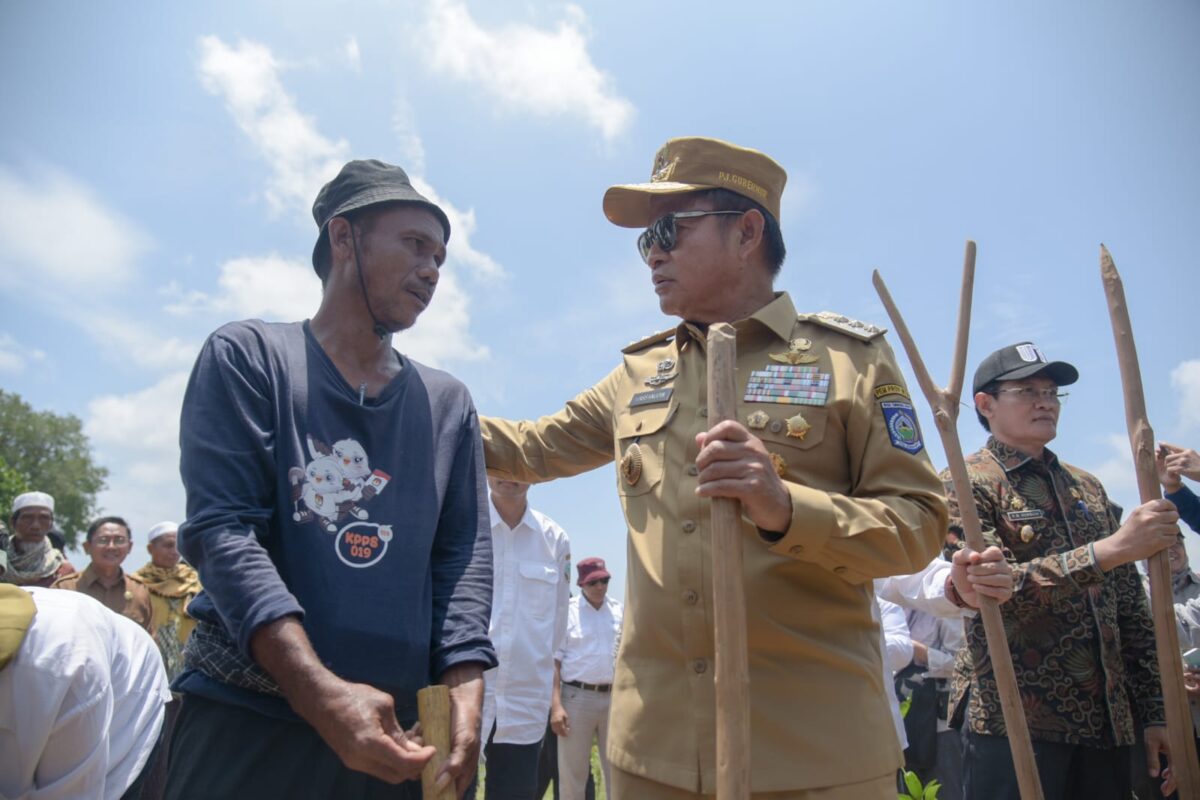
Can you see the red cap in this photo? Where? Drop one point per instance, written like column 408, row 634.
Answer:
column 591, row 569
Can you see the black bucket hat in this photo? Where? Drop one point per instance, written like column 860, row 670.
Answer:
column 1023, row 360
column 367, row 183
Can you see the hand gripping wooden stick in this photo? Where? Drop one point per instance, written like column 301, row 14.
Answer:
column 945, row 405
column 1162, row 601
column 433, row 707
column 732, row 670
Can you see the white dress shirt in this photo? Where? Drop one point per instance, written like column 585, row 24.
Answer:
column 81, row 703
column 589, row 650
column 896, row 647
column 529, row 617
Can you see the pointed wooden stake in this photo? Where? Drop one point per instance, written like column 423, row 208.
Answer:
column 1162, row 600
column 945, row 405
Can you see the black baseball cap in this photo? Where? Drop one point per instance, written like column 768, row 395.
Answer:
column 367, row 183
column 1023, row 360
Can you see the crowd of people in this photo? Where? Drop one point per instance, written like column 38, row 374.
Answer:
column 361, row 532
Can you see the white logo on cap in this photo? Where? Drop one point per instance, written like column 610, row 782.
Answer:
column 1031, row 353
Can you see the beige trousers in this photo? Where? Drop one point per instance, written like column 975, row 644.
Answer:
column 626, row 785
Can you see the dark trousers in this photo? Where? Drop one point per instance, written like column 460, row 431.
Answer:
column 1067, row 771
column 512, row 771
column 221, row 750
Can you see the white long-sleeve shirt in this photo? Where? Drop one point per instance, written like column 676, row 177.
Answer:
column 530, row 591
column 589, row 649
column 81, row 703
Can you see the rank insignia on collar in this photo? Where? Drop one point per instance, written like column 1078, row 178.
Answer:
column 631, row 464
column 779, row 464
column 664, row 373
column 798, row 427
column 757, row 420
column 795, row 353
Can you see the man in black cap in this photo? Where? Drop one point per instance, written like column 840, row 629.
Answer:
column 337, row 516
column 1078, row 625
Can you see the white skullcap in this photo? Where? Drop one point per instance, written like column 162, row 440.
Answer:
column 31, row 499
column 162, row 529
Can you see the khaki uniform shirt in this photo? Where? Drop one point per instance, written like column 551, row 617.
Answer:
column 127, row 597
column 1082, row 639
column 865, row 503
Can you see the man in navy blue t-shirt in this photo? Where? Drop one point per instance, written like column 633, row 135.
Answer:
column 337, row 515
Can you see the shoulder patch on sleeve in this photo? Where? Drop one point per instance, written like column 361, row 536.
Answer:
column 652, row 339
column 863, row 331
column 885, row 389
column 901, row 421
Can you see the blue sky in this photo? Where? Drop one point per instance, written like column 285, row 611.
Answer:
column 158, row 164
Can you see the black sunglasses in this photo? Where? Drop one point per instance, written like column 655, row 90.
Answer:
column 664, row 232
column 599, row 580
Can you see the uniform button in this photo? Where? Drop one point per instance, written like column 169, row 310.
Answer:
column 797, row 549
column 693, row 469
column 688, row 526
column 704, row 411
column 690, row 597
column 839, row 570
column 776, row 426
column 700, row 665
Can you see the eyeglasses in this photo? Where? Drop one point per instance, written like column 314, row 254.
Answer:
column 110, row 541
column 603, row 581
column 1028, row 394
column 664, row 232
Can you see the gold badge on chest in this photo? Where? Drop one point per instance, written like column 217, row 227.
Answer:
column 665, row 373
column 798, row 427
column 779, row 464
column 631, row 464
column 757, row 420
column 796, row 353
column 1026, row 533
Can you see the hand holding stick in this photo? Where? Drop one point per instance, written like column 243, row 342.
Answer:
column 729, row 597
column 433, row 708
column 945, row 405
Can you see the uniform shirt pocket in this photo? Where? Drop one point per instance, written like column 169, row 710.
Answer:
column 641, row 437
column 538, row 588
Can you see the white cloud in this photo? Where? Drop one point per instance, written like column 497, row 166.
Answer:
column 136, row 436
column 543, row 72
column 134, row 342
column 408, row 141
column 55, row 231
column 1186, row 379
column 1116, row 472
column 300, row 158
column 15, row 356
column 462, row 228
column 269, row 287
column 352, row 54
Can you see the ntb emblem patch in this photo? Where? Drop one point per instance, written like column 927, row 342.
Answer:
column 901, row 421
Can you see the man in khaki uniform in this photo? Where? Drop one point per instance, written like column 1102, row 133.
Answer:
column 825, row 457
column 109, row 541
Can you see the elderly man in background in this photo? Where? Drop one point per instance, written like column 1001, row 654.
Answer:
column 32, row 559
column 109, row 541
column 172, row 584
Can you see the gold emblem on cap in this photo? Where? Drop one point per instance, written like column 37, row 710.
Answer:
column 795, row 353
column 779, row 464
column 758, row 420
column 1027, row 533
column 631, row 464
column 798, row 427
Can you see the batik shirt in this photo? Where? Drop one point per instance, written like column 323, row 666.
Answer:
column 1082, row 639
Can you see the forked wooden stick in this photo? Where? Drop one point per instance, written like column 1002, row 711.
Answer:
column 1162, row 600
column 945, row 405
column 433, row 708
column 732, row 669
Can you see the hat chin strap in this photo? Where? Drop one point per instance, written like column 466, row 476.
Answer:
column 379, row 330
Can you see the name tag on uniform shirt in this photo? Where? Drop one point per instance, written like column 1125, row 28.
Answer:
column 650, row 398
column 1024, row 516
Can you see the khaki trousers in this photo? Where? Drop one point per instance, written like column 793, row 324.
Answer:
column 587, row 715
column 626, row 786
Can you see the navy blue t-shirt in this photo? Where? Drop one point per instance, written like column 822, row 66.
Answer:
column 367, row 518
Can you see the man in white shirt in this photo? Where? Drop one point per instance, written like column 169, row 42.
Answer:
column 81, row 700
column 583, row 675
column 532, row 557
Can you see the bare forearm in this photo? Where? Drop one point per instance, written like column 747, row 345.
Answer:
column 282, row 649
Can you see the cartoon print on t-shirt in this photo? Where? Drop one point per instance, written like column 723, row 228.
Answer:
column 333, row 488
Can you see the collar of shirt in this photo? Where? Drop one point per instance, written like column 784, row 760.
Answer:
column 1010, row 458
column 90, row 576
column 777, row 316
column 527, row 519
